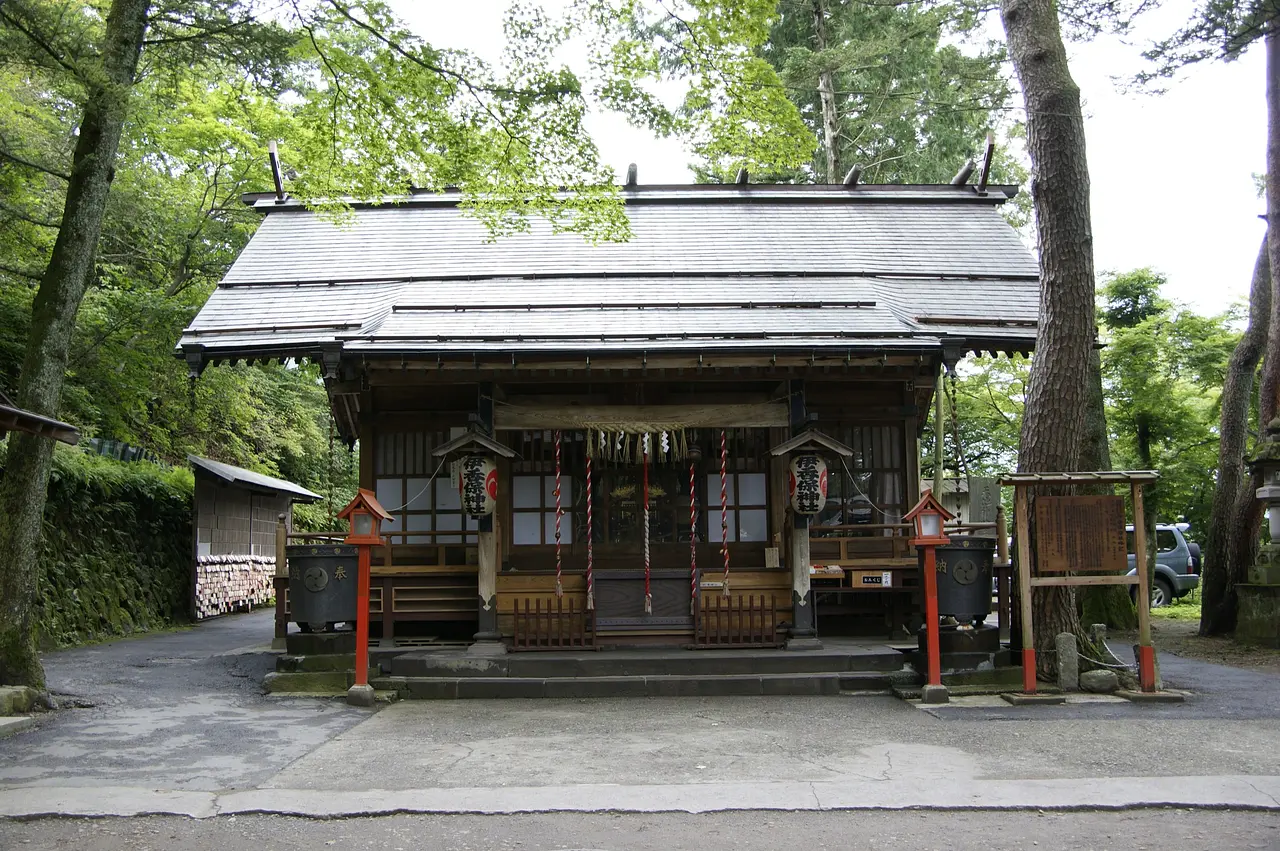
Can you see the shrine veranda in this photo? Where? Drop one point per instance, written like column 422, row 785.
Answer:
column 631, row 400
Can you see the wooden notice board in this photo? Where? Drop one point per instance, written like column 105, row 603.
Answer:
column 1080, row 533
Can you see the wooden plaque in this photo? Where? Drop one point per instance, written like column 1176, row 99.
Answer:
column 1084, row 533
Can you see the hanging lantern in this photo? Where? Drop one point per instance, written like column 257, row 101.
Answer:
column 478, row 485
column 808, row 484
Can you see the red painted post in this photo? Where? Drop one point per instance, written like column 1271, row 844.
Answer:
column 1029, row 670
column 931, row 615
column 362, row 616
column 1147, row 667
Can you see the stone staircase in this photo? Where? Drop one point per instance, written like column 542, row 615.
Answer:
column 651, row 672
column 321, row 663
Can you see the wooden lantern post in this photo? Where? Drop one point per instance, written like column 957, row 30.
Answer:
column 928, row 515
column 365, row 515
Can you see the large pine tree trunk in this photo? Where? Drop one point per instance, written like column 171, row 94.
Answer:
column 1053, row 425
column 1108, row 604
column 1236, row 515
column 26, row 476
column 827, row 95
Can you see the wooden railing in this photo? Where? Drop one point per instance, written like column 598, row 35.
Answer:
column 560, row 625
column 736, row 621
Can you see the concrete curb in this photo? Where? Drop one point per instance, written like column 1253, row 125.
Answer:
column 11, row 725
column 1113, row 793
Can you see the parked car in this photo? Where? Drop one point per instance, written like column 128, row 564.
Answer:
column 1177, row 564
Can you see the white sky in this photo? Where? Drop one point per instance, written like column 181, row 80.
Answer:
column 1172, row 175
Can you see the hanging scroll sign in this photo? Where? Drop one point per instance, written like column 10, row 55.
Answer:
column 478, row 485
column 808, row 484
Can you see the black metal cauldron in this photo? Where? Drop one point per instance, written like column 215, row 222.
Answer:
column 964, row 577
column 322, row 585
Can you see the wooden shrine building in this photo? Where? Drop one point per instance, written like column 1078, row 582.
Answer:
column 613, row 430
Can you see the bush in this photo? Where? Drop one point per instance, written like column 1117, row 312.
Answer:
column 117, row 553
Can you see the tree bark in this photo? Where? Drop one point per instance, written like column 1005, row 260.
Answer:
column 1053, row 426
column 827, row 95
column 1108, row 604
column 1235, row 515
column 53, row 316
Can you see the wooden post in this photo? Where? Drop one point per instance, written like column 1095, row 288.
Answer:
column 362, row 617
column 931, row 615
column 1022, row 524
column 1002, row 577
column 1146, row 652
column 282, row 572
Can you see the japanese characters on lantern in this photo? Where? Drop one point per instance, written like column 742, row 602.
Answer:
column 478, row 485
column 808, row 484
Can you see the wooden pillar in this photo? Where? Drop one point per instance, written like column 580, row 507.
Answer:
column 488, row 638
column 281, row 583
column 1002, row 573
column 1022, row 523
column 1146, row 652
column 803, row 618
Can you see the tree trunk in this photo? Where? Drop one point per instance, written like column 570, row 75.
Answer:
column 827, row 95
column 1053, row 426
column 1235, row 515
column 53, row 316
column 1108, row 604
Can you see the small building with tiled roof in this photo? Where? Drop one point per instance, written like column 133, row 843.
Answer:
column 649, row 379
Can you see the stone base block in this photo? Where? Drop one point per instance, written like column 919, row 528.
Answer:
column 362, row 695
column 18, row 700
column 1258, row 616
column 934, row 694
column 1152, row 696
column 1024, row 699
column 320, row 643
column 803, row 643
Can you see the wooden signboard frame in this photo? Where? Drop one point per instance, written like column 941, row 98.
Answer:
column 1021, row 483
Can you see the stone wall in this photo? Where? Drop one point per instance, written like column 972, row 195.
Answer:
column 232, row 583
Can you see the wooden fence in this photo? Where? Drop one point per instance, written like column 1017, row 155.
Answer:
column 559, row 625
column 736, row 621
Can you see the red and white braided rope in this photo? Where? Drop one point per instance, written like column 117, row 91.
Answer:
column 724, row 508
column 591, row 587
column 693, row 539
column 559, row 514
column 648, row 596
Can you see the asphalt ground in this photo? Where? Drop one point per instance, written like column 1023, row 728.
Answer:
column 743, row 831
column 176, row 723
column 182, row 709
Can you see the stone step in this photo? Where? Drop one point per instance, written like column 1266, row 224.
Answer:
column 316, row 662
column 666, row 685
column 18, row 700
column 453, row 664
column 320, row 643
column 312, row 682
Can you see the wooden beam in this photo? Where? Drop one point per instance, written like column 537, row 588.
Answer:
column 519, row 417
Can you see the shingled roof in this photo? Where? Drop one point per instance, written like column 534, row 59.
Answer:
column 707, row 268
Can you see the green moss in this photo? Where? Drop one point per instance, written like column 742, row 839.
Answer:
column 116, row 556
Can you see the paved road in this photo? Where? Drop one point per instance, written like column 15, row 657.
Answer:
column 178, row 725
column 179, row 710
column 748, row 831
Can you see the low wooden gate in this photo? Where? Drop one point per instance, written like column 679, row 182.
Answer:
column 552, row 624
column 737, row 621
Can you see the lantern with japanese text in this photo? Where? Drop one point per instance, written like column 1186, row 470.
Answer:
column 478, row 485
column 808, row 484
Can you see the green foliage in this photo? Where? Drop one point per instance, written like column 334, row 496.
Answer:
column 984, row 409
column 117, row 549
column 735, row 113
column 912, row 105
column 1163, row 367
column 1162, row 370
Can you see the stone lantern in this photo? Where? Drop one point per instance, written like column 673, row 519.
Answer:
column 1258, row 615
